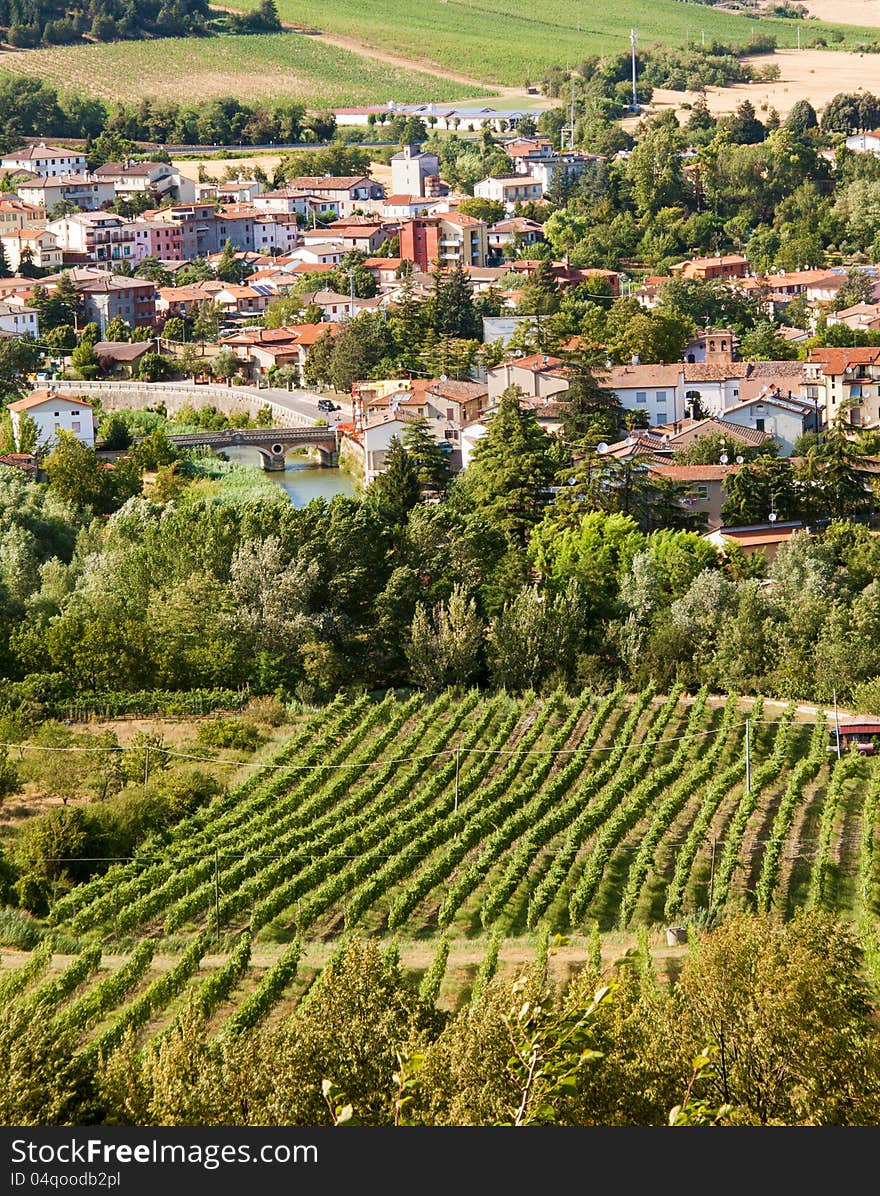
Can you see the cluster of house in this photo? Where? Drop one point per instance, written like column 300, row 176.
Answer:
column 308, row 226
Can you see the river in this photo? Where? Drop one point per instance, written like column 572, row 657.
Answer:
column 302, row 479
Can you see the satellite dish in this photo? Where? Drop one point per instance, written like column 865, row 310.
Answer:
column 601, row 447
column 723, row 458
column 772, row 516
column 740, row 460
column 571, row 481
column 442, row 377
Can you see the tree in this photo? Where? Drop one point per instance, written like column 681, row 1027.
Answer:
column 757, row 489
column 75, row 474
column 206, row 321
column 743, row 126
column 535, row 638
column 452, row 304
column 858, row 288
column 763, row 343
column 589, row 411
column 785, row 1005
column 18, row 358
column 153, row 367
column 654, row 171
column 396, row 490
column 510, row 468
column 117, row 330
column 801, row 118
column 445, row 647
column 429, row 458
column 488, row 210
column 226, row 364
column 539, row 295
column 85, row 360
column 230, row 268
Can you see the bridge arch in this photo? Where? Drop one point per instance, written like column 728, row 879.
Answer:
column 274, row 456
column 273, row 444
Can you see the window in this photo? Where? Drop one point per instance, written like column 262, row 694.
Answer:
column 641, row 396
column 759, row 424
column 660, row 396
column 75, row 425
column 661, row 417
column 701, row 492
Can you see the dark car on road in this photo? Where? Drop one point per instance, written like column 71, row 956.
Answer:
column 328, row 405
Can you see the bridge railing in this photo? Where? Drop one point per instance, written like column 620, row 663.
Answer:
column 228, row 399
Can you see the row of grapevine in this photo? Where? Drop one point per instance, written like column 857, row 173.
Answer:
column 459, row 829
column 326, row 851
column 111, row 880
column 802, row 774
column 293, row 819
column 527, row 802
column 102, row 898
column 109, row 991
column 764, row 776
column 590, row 803
column 543, row 820
column 868, row 848
column 845, row 769
column 702, row 764
column 639, row 792
column 137, row 1013
column 20, row 978
column 709, row 801
column 255, row 1006
column 390, row 849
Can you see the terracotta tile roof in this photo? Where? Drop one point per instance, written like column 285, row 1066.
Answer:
column 45, row 396
column 691, row 473
column 685, row 431
column 626, row 377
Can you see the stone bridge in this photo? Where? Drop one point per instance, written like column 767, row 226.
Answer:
column 273, row 444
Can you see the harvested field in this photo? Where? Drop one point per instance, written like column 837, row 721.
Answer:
column 269, row 67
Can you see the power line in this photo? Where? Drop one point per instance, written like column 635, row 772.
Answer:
column 450, row 751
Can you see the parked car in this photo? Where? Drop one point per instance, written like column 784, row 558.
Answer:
column 328, row 405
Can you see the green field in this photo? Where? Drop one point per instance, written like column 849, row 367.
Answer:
column 273, row 66
column 473, row 815
column 502, row 41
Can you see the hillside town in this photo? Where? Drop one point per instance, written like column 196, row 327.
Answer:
column 241, row 285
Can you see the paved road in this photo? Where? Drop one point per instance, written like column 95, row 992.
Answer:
column 296, row 406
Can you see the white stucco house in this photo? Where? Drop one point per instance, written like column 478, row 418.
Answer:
column 52, row 412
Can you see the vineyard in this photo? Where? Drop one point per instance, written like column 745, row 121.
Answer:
column 443, row 819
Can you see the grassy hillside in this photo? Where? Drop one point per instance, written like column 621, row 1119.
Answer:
column 271, row 66
column 501, row 41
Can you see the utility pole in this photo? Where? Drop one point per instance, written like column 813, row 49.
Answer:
column 632, row 41
column 351, row 291
column 712, row 875
column 457, row 770
column 748, row 759
column 836, row 725
column 217, row 891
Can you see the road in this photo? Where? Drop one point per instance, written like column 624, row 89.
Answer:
column 297, row 406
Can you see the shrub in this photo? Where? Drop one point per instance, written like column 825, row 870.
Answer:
column 19, row 929
column 229, row 733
